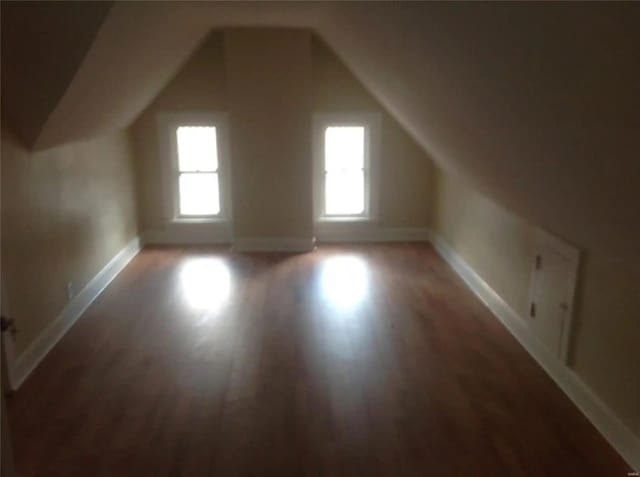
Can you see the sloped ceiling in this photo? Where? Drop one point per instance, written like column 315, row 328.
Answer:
column 43, row 44
column 136, row 50
column 537, row 105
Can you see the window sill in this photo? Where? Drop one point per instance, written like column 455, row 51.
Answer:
column 199, row 220
column 343, row 219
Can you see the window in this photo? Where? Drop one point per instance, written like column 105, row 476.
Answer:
column 196, row 173
column 343, row 166
column 198, row 180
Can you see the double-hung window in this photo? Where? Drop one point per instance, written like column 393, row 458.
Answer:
column 198, row 170
column 343, row 169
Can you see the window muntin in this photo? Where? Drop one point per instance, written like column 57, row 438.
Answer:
column 345, row 172
column 197, row 171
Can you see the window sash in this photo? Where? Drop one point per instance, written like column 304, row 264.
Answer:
column 199, row 148
column 211, row 207
column 343, row 182
column 348, row 154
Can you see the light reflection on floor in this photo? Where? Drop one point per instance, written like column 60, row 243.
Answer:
column 344, row 281
column 206, row 283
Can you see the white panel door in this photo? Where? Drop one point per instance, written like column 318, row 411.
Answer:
column 552, row 293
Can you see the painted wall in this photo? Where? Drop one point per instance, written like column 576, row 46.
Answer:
column 406, row 171
column 498, row 245
column 65, row 213
column 199, row 85
column 204, row 83
column 269, row 87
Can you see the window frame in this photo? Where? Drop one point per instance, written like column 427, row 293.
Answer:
column 169, row 122
column 372, row 128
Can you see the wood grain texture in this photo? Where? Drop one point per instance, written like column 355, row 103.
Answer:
column 349, row 361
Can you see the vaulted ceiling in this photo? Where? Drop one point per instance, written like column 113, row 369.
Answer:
column 536, row 105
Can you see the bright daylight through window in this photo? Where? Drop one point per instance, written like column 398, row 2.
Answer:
column 344, row 171
column 198, row 178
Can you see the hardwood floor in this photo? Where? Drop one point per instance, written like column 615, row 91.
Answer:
column 353, row 361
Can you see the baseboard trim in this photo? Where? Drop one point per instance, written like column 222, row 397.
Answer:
column 38, row 349
column 218, row 234
column 189, row 234
column 273, row 244
column 605, row 421
column 366, row 233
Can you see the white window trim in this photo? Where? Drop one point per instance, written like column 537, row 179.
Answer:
column 168, row 122
column 372, row 123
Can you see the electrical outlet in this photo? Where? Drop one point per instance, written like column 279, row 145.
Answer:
column 70, row 291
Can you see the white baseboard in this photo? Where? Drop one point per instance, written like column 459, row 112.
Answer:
column 614, row 431
column 220, row 234
column 38, row 349
column 273, row 244
column 369, row 233
column 189, row 234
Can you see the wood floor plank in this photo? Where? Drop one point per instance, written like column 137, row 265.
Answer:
column 349, row 361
